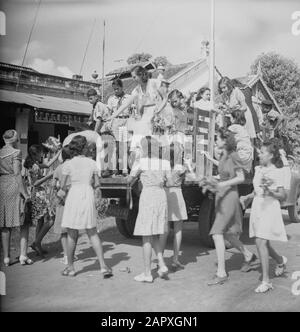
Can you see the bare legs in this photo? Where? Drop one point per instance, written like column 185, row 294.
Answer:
column 155, row 242
column 220, row 250
column 5, row 236
column 95, row 242
column 97, row 246
column 24, row 240
column 71, row 246
column 235, row 241
column 265, row 250
column 42, row 228
column 176, row 242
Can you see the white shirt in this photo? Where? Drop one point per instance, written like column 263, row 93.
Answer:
column 115, row 102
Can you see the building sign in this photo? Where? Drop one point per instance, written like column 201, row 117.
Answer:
column 58, row 118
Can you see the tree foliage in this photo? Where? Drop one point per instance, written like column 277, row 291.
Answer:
column 138, row 57
column 161, row 60
column 282, row 76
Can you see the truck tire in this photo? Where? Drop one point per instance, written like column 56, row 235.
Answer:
column 294, row 211
column 205, row 220
column 126, row 226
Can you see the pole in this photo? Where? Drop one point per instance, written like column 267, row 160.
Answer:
column 211, row 135
column 87, row 46
column 103, row 55
column 28, row 42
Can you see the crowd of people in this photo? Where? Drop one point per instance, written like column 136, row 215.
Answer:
column 152, row 121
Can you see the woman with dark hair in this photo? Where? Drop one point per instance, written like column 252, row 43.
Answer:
column 244, row 147
column 203, row 99
column 40, row 194
column 145, row 96
column 13, row 196
column 228, row 220
column 179, row 106
column 266, row 223
column 80, row 209
column 234, row 98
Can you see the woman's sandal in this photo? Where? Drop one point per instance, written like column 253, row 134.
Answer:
column 163, row 272
column 281, row 268
column 37, row 250
column 264, row 287
column 68, row 273
column 25, row 260
column 216, row 280
column 177, row 266
column 6, row 261
column 107, row 273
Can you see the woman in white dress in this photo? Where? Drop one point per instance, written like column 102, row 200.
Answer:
column 80, row 209
column 146, row 96
column 266, row 223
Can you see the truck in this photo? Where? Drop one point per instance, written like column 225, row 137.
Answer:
column 123, row 192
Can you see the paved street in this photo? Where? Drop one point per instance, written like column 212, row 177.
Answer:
column 41, row 287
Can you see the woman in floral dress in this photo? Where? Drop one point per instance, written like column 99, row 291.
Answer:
column 41, row 214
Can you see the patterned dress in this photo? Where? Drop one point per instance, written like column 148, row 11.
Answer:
column 40, row 195
column 10, row 199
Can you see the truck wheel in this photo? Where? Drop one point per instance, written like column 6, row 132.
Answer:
column 206, row 219
column 126, row 226
column 294, row 211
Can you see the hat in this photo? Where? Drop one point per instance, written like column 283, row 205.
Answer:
column 267, row 102
column 10, row 136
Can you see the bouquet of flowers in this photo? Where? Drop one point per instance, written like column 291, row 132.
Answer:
column 266, row 183
column 209, row 184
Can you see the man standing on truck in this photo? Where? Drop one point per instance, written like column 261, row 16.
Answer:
column 119, row 124
column 99, row 113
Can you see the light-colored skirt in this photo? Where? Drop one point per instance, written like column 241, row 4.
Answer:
column 80, row 211
column 153, row 212
column 176, row 204
column 266, row 219
column 250, row 124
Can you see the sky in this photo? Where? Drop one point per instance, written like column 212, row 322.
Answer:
column 172, row 28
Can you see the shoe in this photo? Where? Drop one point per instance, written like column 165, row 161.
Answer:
column 216, row 280
column 6, row 261
column 264, row 287
column 24, row 260
column 37, row 250
column 246, row 267
column 163, row 272
column 177, row 266
column 68, row 273
column 106, row 272
column 281, row 268
column 142, row 278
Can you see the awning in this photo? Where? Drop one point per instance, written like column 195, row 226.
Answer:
column 50, row 103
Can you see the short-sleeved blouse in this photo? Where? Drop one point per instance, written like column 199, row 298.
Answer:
column 273, row 173
column 8, row 156
column 80, row 169
column 229, row 165
column 153, row 172
column 150, row 97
